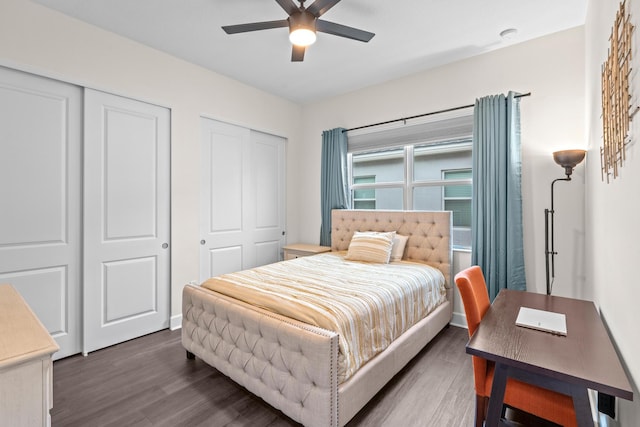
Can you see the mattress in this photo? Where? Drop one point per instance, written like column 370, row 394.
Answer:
column 368, row 305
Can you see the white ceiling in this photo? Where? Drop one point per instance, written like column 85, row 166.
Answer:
column 411, row 36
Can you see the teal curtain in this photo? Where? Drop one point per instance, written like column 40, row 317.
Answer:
column 497, row 243
column 334, row 185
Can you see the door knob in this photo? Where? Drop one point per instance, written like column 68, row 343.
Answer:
column 165, row 245
column 202, row 242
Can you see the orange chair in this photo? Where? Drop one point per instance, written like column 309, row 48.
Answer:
column 543, row 403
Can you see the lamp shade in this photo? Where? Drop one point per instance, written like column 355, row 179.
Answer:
column 569, row 159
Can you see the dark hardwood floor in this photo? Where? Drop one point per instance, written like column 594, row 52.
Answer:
column 149, row 382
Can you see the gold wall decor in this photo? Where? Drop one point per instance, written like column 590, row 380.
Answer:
column 616, row 114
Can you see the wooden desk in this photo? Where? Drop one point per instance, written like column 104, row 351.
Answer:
column 584, row 359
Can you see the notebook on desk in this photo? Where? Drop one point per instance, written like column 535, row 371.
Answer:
column 547, row 321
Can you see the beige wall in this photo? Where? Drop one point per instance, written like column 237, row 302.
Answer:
column 552, row 69
column 612, row 226
column 36, row 39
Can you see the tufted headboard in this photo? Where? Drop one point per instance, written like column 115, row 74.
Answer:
column 429, row 233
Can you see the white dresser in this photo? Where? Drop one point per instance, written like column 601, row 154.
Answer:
column 26, row 368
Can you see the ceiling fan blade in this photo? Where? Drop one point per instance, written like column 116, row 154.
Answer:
column 288, row 5
column 297, row 53
column 343, row 31
column 320, row 7
column 255, row 26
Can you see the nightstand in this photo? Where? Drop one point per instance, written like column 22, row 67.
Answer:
column 298, row 250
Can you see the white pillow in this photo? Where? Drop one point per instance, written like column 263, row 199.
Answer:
column 397, row 250
column 370, row 246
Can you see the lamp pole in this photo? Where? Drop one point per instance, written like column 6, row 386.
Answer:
column 568, row 159
column 550, row 252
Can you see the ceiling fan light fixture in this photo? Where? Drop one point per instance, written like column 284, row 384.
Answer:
column 302, row 36
column 303, row 24
column 302, row 28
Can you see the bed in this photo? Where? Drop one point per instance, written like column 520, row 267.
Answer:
column 294, row 366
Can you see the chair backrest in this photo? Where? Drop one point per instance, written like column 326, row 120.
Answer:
column 475, row 298
column 474, row 294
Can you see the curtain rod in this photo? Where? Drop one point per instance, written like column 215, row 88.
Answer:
column 404, row 119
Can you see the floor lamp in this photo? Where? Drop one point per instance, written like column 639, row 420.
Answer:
column 568, row 159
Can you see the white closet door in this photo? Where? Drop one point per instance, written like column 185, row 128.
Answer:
column 242, row 201
column 266, row 201
column 127, row 229
column 40, row 186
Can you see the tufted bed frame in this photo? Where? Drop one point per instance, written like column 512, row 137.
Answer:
column 293, row 365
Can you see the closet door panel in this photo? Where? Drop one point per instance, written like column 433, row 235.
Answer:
column 45, row 290
column 127, row 229
column 130, row 175
column 129, row 288
column 223, row 216
column 40, row 186
column 267, row 184
column 222, row 260
column 225, row 159
column 35, row 205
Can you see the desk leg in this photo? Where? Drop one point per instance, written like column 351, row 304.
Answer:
column 582, row 406
column 496, row 399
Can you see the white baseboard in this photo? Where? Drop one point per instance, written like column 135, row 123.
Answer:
column 459, row 319
column 175, row 322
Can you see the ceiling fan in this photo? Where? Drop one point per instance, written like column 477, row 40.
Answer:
column 303, row 24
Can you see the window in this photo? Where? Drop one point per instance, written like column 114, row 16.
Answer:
column 431, row 176
column 388, row 169
column 425, row 165
column 457, row 198
column 365, row 198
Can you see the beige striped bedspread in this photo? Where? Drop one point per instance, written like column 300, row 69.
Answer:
column 368, row 305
